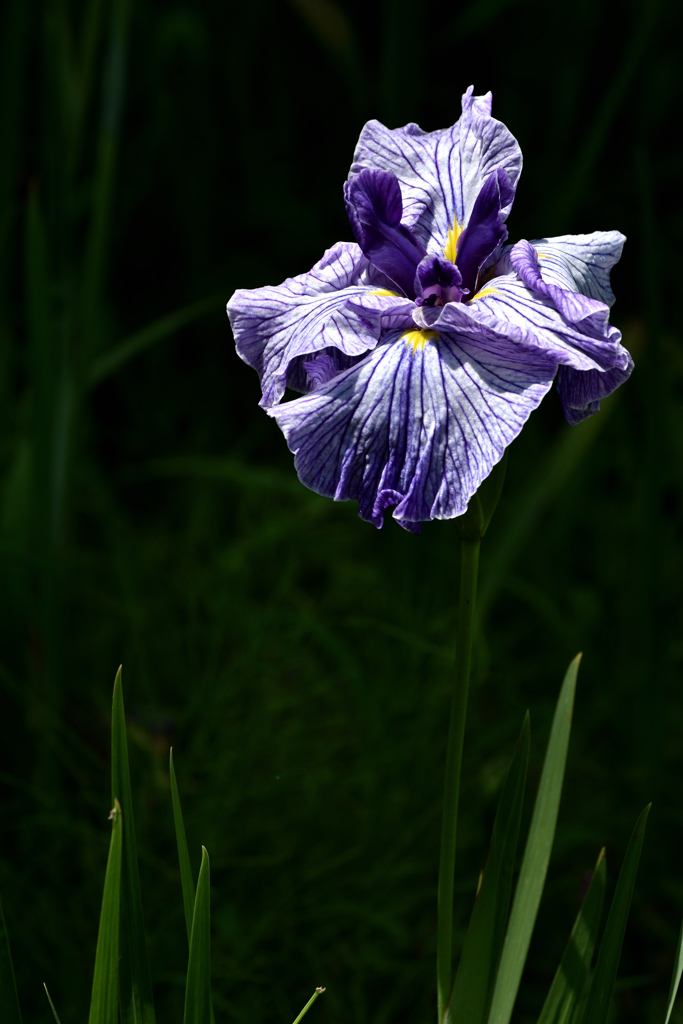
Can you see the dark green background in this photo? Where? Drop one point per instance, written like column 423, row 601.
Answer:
column 158, row 155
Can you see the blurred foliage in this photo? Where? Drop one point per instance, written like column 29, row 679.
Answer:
column 155, row 156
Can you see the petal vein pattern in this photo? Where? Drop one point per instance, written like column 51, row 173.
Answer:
column 441, row 173
column 422, row 350
column 418, row 428
column 274, row 326
column 581, row 262
column 508, row 309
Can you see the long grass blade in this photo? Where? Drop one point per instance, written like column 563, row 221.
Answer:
column 52, row 1005
column 135, row 986
column 318, row 992
column 471, row 994
column 9, row 1000
column 95, row 262
column 605, row 974
column 104, row 1004
column 536, row 856
column 676, row 977
column 111, row 361
column 183, row 852
column 198, row 990
column 572, row 974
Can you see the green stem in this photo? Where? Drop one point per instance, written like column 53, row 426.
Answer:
column 451, row 795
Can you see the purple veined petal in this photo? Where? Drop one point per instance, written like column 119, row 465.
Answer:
column 485, row 232
column 574, row 307
column 276, row 327
column 375, row 208
column 507, row 308
column 418, row 423
column 581, row 262
column 580, row 391
column 441, row 173
column 393, row 312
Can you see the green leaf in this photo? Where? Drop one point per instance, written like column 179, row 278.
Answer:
column 52, row 1005
column 183, row 852
column 471, row 993
column 9, row 1000
column 536, row 856
column 572, row 974
column 111, row 361
column 605, row 974
column 318, row 992
column 135, row 986
column 676, row 977
column 104, row 1003
column 198, row 990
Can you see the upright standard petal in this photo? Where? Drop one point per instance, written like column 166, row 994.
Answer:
column 441, row 173
column 418, row 423
column 276, row 328
column 374, row 207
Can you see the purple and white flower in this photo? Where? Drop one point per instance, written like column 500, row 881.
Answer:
column 422, row 348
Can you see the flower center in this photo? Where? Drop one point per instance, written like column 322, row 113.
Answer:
column 438, row 281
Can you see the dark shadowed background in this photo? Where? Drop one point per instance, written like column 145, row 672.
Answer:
column 154, row 156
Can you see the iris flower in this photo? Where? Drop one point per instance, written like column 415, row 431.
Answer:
column 422, row 348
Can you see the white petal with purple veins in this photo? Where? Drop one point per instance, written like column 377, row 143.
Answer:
column 418, row 423
column 274, row 326
column 581, row 262
column 441, row 173
column 507, row 308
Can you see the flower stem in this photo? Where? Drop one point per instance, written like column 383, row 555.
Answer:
column 451, row 795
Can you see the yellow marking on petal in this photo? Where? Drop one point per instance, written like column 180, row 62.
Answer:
column 542, row 255
column 385, row 291
column 451, row 246
column 484, row 292
column 418, row 339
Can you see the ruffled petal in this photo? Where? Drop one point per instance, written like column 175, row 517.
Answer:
column 275, row 328
column 441, row 173
column 418, row 423
column 507, row 308
column 575, row 307
column 581, row 262
column 580, row 391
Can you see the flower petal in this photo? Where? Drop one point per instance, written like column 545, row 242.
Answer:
column 275, row 328
column 580, row 391
column 374, row 207
column 441, row 173
column 509, row 309
column 480, row 242
column 573, row 305
column 581, row 262
column 418, row 423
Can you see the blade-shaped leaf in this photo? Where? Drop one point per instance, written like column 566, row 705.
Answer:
column 135, row 986
column 183, row 852
column 166, row 326
column 104, row 1003
column 536, row 856
column 605, row 974
column 318, row 992
column 52, row 1005
column 572, row 974
column 9, row 1000
column 471, row 993
column 198, row 990
column 676, row 977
